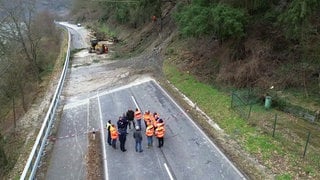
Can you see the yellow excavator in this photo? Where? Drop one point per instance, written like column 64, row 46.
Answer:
column 98, row 47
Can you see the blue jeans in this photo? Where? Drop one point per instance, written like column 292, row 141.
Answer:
column 114, row 142
column 150, row 140
column 138, row 146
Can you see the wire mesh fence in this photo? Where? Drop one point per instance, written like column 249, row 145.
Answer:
column 299, row 131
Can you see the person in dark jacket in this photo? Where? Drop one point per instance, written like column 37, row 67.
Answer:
column 130, row 117
column 109, row 133
column 122, row 129
column 138, row 137
column 125, row 121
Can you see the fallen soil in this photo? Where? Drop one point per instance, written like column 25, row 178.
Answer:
column 94, row 157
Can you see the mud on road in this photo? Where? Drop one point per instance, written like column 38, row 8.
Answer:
column 94, row 157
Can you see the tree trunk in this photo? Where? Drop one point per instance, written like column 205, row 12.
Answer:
column 24, row 104
column 305, row 83
column 319, row 81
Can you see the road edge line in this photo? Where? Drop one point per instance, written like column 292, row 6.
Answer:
column 218, row 149
column 104, row 153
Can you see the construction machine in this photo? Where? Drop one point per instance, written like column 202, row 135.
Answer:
column 98, row 47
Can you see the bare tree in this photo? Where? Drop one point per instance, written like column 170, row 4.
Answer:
column 13, row 82
column 19, row 28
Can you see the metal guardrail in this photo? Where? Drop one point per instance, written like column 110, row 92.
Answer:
column 37, row 151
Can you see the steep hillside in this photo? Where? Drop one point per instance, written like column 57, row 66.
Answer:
column 260, row 49
column 272, row 56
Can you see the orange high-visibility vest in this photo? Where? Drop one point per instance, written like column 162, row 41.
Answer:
column 152, row 119
column 149, row 130
column 155, row 124
column 160, row 132
column 137, row 114
column 113, row 132
column 159, row 124
column 146, row 116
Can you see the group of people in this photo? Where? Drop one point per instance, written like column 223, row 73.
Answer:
column 154, row 126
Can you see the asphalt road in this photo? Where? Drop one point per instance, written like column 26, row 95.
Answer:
column 187, row 153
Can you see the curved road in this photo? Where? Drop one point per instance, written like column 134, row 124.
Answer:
column 187, row 153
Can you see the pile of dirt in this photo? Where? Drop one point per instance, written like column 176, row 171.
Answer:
column 94, row 157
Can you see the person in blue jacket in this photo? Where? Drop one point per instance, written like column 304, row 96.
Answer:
column 122, row 129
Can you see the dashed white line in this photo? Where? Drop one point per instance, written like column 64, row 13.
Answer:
column 165, row 164
column 168, row 171
column 135, row 102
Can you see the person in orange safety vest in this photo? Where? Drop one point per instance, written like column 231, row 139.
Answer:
column 160, row 131
column 138, row 117
column 159, row 123
column 155, row 119
column 149, row 134
column 114, row 135
column 146, row 118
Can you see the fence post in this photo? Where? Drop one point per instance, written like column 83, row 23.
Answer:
column 305, row 148
column 275, row 124
column 232, row 100
column 249, row 112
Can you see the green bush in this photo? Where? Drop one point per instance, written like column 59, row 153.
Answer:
column 219, row 20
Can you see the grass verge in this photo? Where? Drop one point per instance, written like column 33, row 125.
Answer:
column 281, row 155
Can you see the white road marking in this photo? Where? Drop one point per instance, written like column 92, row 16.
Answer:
column 75, row 104
column 165, row 164
column 137, row 82
column 134, row 83
column 168, row 171
column 104, row 153
column 135, row 102
column 200, row 130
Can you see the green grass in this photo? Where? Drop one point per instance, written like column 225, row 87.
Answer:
column 285, row 176
column 216, row 104
column 106, row 30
